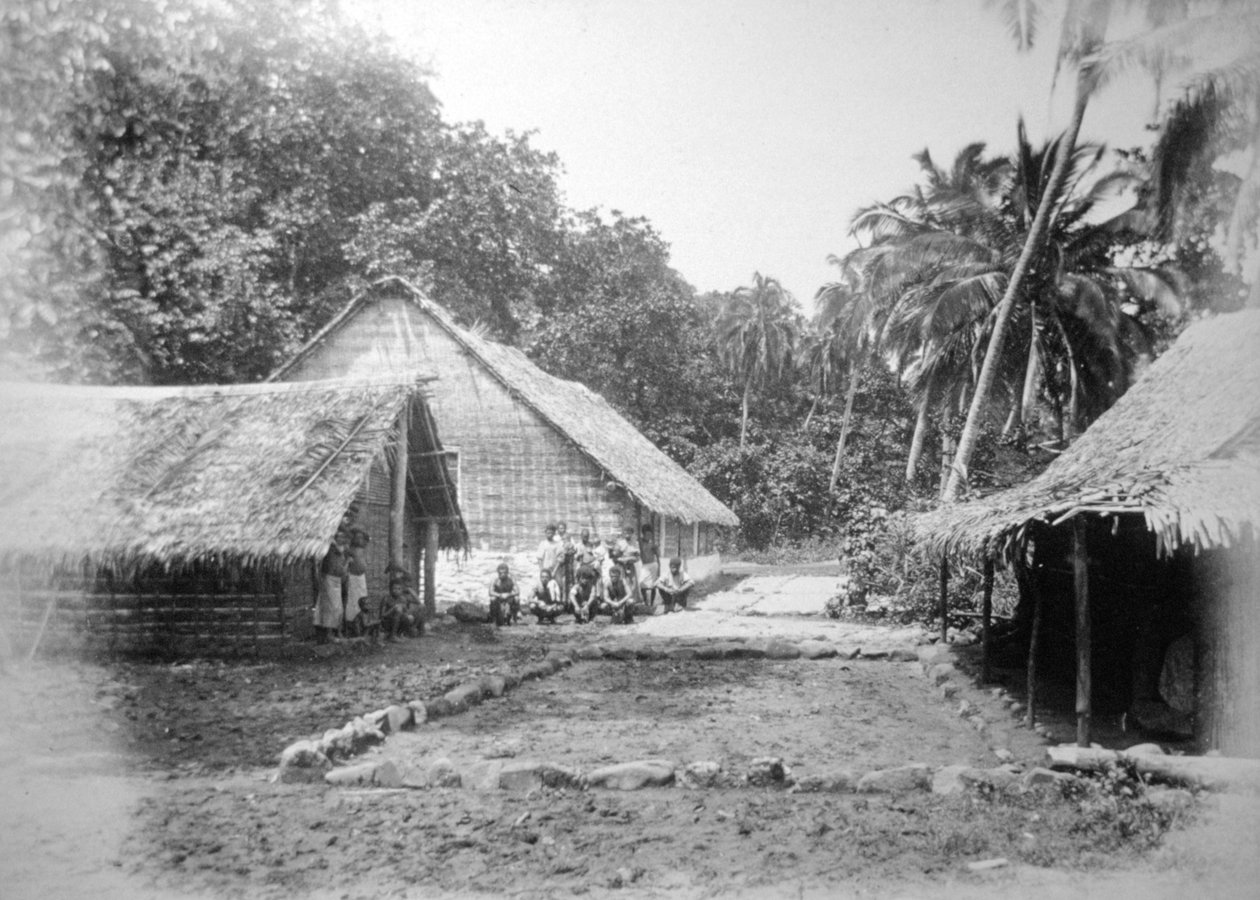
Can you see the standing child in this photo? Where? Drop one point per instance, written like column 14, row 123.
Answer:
column 548, row 550
column 505, row 599
column 625, row 553
column 649, row 566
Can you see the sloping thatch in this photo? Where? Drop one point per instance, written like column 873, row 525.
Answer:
column 1181, row 449
column 577, row 412
column 256, row 473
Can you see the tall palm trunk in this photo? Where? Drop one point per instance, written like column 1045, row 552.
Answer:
column 844, row 425
column 1032, row 244
column 743, row 417
column 916, row 443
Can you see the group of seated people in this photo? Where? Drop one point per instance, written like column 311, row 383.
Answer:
column 586, row 578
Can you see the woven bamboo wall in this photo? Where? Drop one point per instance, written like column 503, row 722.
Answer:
column 517, row 472
column 203, row 614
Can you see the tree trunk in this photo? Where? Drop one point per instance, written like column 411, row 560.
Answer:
column 1032, row 244
column 743, row 418
column 948, row 447
column 916, row 443
column 844, row 425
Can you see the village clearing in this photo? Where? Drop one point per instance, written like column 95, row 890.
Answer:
column 153, row 780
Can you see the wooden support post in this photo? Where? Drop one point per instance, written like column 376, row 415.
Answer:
column 695, row 539
column 986, row 621
column 398, row 496
column 944, row 601
column 1080, row 584
column 1034, row 639
column 430, row 568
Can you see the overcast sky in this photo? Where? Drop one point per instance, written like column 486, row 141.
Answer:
column 746, row 131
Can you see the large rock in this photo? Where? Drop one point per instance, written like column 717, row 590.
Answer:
column 998, row 779
column 442, row 773
column 302, row 762
column 815, row 649
column 400, row 718
column 462, row 697
column 469, row 613
column 526, row 775
column 419, row 711
column 1040, row 777
column 902, row 654
column 681, row 653
column 631, row 776
column 768, row 770
column 591, row 651
column 780, row 649
column 378, row 774
column 941, row 673
column 914, row 777
column 620, row 652
column 947, row 780
column 841, row 781
column 493, row 685
column 700, row 774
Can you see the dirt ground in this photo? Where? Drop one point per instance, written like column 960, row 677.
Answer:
column 151, row 780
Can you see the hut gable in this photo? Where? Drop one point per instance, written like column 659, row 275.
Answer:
column 184, row 475
column 1181, row 449
column 588, row 448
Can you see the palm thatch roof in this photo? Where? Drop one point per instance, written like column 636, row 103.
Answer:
column 574, row 410
column 1181, row 449
column 255, row 473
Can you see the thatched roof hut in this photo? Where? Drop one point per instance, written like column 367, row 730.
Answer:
column 1142, row 542
column 174, row 475
column 1181, row 449
column 528, row 448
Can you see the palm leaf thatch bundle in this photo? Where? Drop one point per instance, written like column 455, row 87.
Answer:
column 1181, row 449
column 179, row 475
column 582, row 416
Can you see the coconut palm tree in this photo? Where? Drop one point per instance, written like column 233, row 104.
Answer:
column 756, row 334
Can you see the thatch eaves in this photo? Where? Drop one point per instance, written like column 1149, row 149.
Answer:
column 255, row 473
column 1181, row 449
column 576, row 412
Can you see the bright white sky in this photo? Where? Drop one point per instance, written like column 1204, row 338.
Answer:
column 747, row 131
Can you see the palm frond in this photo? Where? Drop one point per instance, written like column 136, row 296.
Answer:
column 1022, row 19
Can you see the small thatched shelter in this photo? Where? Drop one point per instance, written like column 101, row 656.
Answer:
column 179, row 514
column 1145, row 531
column 528, row 448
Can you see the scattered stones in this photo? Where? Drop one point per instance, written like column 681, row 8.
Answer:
column 768, row 770
column 947, row 780
column 913, row 777
column 535, row 671
column 621, row 652
column 742, row 651
column 932, row 654
column 526, row 775
column 985, row 865
column 463, row 697
column 993, row 779
column 903, row 654
column 1041, row 776
column 631, row 776
column 681, row 653
column 701, row 774
column 849, row 652
column 380, row 774
column 438, row 708
column 387, row 775
column 873, row 654
column 1004, row 755
column 301, row 762
column 591, row 651
column 948, row 690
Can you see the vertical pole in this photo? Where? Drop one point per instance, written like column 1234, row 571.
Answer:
column 944, row 601
column 1080, row 584
column 986, row 621
column 1033, row 641
column 695, row 539
column 398, row 495
column 430, row 568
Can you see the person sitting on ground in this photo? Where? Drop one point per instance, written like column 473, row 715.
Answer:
column 545, row 600
column 584, row 596
column 505, row 599
column 617, row 600
column 401, row 613
column 674, row 586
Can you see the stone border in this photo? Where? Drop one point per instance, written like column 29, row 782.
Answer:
column 313, row 760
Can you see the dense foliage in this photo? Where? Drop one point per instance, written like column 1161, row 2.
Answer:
column 192, row 187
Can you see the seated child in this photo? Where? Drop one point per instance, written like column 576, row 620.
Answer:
column 401, row 613
column 584, row 596
column 369, row 619
column 618, row 602
column 505, row 599
column 545, row 601
column 674, row 586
